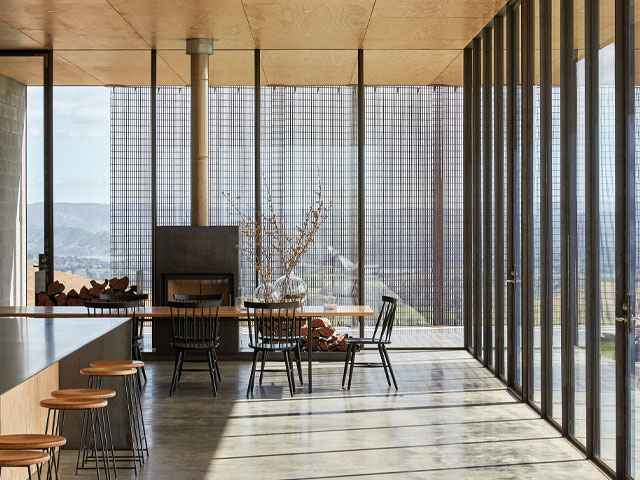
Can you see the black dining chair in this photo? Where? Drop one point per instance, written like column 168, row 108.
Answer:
column 274, row 328
column 381, row 338
column 137, row 330
column 199, row 297
column 194, row 327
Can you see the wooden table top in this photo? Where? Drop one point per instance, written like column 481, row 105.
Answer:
column 164, row 312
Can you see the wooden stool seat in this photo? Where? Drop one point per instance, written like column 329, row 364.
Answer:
column 85, row 393
column 22, row 458
column 118, row 363
column 107, row 371
column 72, row 403
column 30, row 441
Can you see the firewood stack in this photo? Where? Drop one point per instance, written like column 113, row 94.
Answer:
column 324, row 337
column 55, row 296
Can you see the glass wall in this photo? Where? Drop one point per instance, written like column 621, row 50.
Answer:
column 606, row 99
column 517, row 321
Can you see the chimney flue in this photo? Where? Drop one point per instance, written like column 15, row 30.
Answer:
column 199, row 49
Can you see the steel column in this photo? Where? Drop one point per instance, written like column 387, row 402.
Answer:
column 468, row 197
column 546, row 209
column 625, row 227
column 477, row 188
column 512, row 80
column 498, row 150
column 48, row 165
column 487, row 289
column 154, row 157
column 592, row 225
column 361, row 186
column 257, row 176
column 568, row 210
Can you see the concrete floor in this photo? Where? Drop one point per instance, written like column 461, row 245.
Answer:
column 450, row 419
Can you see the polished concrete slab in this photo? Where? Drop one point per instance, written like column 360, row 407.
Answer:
column 450, row 419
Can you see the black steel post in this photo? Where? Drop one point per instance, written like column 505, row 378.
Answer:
column 487, row 127
column 498, row 150
column 592, row 225
column 154, row 158
column 468, row 197
column 257, row 177
column 568, row 127
column 625, row 228
column 546, row 210
column 512, row 78
column 477, row 189
column 48, row 165
column 361, row 186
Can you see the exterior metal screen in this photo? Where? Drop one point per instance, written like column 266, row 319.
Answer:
column 309, row 138
column 414, row 210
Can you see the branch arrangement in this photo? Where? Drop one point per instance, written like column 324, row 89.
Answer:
column 267, row 237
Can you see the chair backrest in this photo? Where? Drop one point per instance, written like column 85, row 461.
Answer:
column 386, row 317
column 194, row 324
column 196, row 297
column 111, row 309
column 140, row 298
column 272, row 323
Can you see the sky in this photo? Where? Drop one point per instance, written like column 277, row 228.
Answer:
column 80, row 144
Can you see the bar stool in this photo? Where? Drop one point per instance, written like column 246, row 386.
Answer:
column 95, row 414
column 35, row 441
column 137, row 364
column 91, row 394
column 134, row 409
column 23, row 459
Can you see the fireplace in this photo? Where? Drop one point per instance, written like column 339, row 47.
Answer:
column 196, row 260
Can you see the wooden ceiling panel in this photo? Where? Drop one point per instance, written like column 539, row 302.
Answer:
column 11, row 38
column 406, row 67
column 486, row 9
column 319, row 67
column 422, row 33
column 117, row 67
column 312, row 24
column 164, row 24
column 226, row 67
column 28, row 70
column 453, row 74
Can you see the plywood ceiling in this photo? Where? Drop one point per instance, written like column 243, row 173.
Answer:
column 303, row 42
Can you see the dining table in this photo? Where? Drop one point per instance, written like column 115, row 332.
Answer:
column 308, row 312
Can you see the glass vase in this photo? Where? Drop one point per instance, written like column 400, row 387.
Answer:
column 291, row 288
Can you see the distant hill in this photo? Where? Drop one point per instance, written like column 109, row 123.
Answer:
column 81, row 236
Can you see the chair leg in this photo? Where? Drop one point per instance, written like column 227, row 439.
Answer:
column 212, row 372
column 293, row 377
column 286, row 363
column 346, row 363
column 386, row 354
column 175, row 373
column 384, row 364
column 353, row 361
column 180, row 364
column 298, row 355
column 253, row 372
column 215, row 364
column 262, row 362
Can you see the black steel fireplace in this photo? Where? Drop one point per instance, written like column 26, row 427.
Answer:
column 201, row 260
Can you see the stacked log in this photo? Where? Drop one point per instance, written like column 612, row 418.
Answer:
column 55, row 295
column 323, row 337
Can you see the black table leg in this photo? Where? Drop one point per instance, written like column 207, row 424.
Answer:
column 309, row 349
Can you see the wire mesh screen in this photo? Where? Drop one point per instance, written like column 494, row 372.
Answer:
column 414, row 210
column 309, row 141
column 130, row 195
